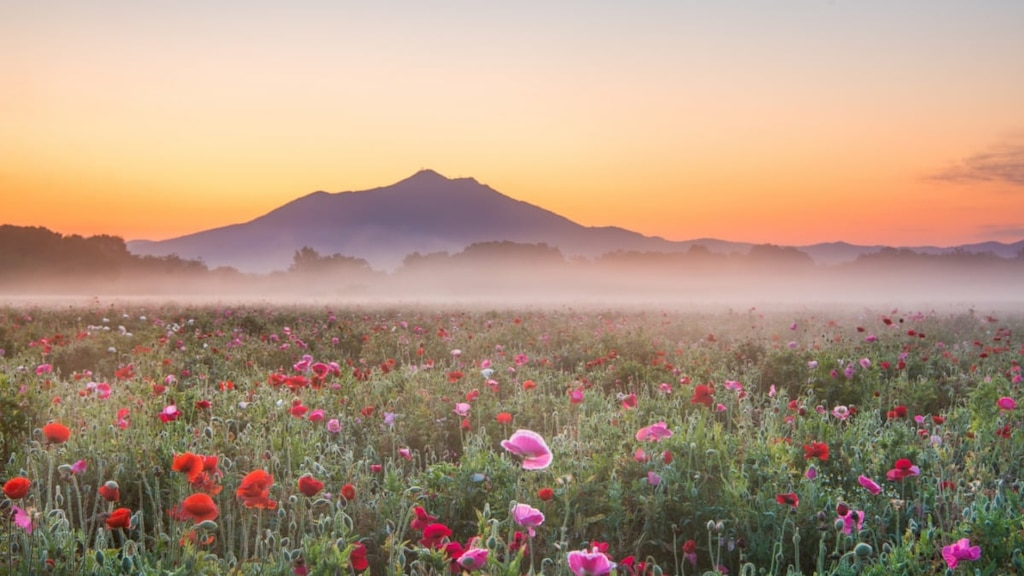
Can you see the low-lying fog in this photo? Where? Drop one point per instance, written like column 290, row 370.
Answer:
column 547, row 286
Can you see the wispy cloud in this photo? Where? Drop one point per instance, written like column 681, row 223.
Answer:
column 1003, row 163
column 1005, row 232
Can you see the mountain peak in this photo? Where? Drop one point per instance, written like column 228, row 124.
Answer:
column 426, row 175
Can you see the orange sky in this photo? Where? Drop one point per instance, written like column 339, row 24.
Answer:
column 747, row 121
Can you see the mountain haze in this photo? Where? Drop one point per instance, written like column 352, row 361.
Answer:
column 423, row 213
column 427, row 213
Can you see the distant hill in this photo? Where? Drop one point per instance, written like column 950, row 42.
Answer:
column 427, row 213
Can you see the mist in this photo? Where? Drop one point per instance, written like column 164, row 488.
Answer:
column 992, row 287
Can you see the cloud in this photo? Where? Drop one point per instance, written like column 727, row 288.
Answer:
column 1003, row 163
column 1010, row 232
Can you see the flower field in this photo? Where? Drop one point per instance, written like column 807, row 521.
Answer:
column 259, row 439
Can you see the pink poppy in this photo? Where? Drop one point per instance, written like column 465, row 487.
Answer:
column 473, row 559
column 529, row 446
column 960, row 550
column 528, row 516
column 22, row 519
column 870, row 484
column 589, row 563
column 462, row 409
column 658, row 431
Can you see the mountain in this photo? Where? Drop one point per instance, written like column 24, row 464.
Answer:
column 423, row 213
column 428, row 212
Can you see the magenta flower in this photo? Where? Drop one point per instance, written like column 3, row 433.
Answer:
column 960, row 550
column 462, row 409
column 316, row 415
column 576, row 395
column 44, row 369
column 333, row 426
column 1007, row 403
column 529, row 446
column 870, row 484
column 22, row 519
column 527, row 516
column 850, row 519
column 653, row 478
column 405, row 453
column 589, row 563
column 79, row 467
column 654, row 432
column 473, row 559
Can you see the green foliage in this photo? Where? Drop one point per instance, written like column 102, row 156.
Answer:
column 399, row 443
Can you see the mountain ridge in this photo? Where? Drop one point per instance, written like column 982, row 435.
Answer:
column 428, row 212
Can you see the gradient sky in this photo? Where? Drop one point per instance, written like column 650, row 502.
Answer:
column 789, row 122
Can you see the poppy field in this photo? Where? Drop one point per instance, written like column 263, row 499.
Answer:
column 265, row 439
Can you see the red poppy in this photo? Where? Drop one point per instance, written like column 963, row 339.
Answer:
column 189, row 464
column 702, row 394
column 842, row 509
column 254, row 491
column 17, row 488
column 903, row 468
column 56, row 433
column 545, row 494
column 433, row 534
column 455, row 376
column 529, row 385
column 357, row 559
column 817, row 450
column 422, row 519
column 125, row 373
column 503, row 418
column 348, row 492
column 790, row 499
column 310, row 486
column 197, row 507
column 110, row 491
column 120, row 518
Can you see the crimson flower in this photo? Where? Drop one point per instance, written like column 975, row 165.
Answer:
column 421, row 520
column 120, row 518
column 310, row 486
column 702, row 394
column 348, row 492
column 433, row 534
column 817, row 450
column 904, row 468
column 357, row 559
column 789, row 499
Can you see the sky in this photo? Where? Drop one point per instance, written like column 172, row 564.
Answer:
column 784, row 122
